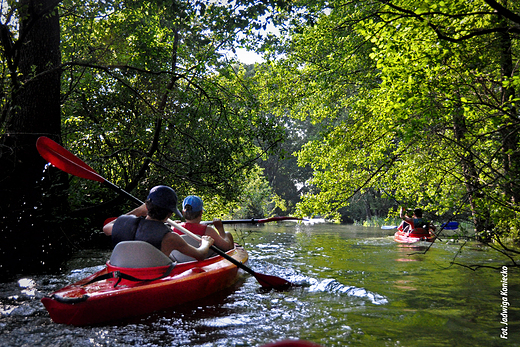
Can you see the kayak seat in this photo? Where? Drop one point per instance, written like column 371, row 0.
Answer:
column 183, row 258
column 138, row 254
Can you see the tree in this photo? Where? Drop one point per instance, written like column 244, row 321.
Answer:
column 287, row 179
column 163, row 79
column 30, row 107
column 147, row 97
column 419, row 99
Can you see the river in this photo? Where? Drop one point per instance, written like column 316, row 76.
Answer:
column 358, row 288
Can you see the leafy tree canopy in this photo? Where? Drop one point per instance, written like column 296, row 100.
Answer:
column 418, row 100
column 149, row 96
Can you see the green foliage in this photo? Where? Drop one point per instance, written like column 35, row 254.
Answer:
column 149, row 98
column 286, row 178
column 256, row 199
column 413, row 102
column 417, row 100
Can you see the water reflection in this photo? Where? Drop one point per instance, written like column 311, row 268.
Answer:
column 411, row 252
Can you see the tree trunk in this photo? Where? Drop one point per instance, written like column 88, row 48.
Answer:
column 27, row 239
column 510, row 154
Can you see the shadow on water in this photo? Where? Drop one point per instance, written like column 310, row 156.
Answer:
column 357, row 287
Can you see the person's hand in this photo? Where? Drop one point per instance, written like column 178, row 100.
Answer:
column 207, row 240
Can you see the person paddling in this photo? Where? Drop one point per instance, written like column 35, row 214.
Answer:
column 416, row 221
column 147, row 223
column 192, row 210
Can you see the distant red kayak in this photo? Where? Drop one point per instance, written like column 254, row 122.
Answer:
column 107, row 295
column 418, row 234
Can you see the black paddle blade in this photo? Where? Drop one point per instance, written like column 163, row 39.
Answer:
column 269, row 282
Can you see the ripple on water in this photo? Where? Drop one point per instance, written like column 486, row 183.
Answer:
column 221, row 322
column 78, row 274
column 333, row 286
column 317, row 285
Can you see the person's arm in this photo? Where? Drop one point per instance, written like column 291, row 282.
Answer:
column 404, row 216
column 223, row 239
column 173, row 241
column 140, row 211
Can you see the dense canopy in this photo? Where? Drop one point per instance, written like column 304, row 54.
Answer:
column 418, row 100
column 383, row 103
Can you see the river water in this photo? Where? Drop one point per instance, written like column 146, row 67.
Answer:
column 358, row 288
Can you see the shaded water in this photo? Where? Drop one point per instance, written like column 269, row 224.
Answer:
column 360, row 288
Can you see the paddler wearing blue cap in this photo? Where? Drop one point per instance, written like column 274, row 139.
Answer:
column 192, row 210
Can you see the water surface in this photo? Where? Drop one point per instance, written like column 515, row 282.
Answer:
column 359, row 288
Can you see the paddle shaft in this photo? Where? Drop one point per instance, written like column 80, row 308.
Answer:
column 235, row 221
column 446, row 227
column 70, row 163
column 253, row 220
column 217, row 250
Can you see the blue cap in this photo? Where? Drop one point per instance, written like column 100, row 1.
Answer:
column 194, row 201
column 164, row 197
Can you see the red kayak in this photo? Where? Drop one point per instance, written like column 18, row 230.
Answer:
column 137, row 282
column 416, row 235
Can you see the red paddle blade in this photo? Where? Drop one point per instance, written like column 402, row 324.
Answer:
column 268, row 281
column 64, row 160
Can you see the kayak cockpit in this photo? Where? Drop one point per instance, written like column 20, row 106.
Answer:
column 138, row 254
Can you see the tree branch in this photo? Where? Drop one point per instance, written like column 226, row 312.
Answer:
column 504, row 12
